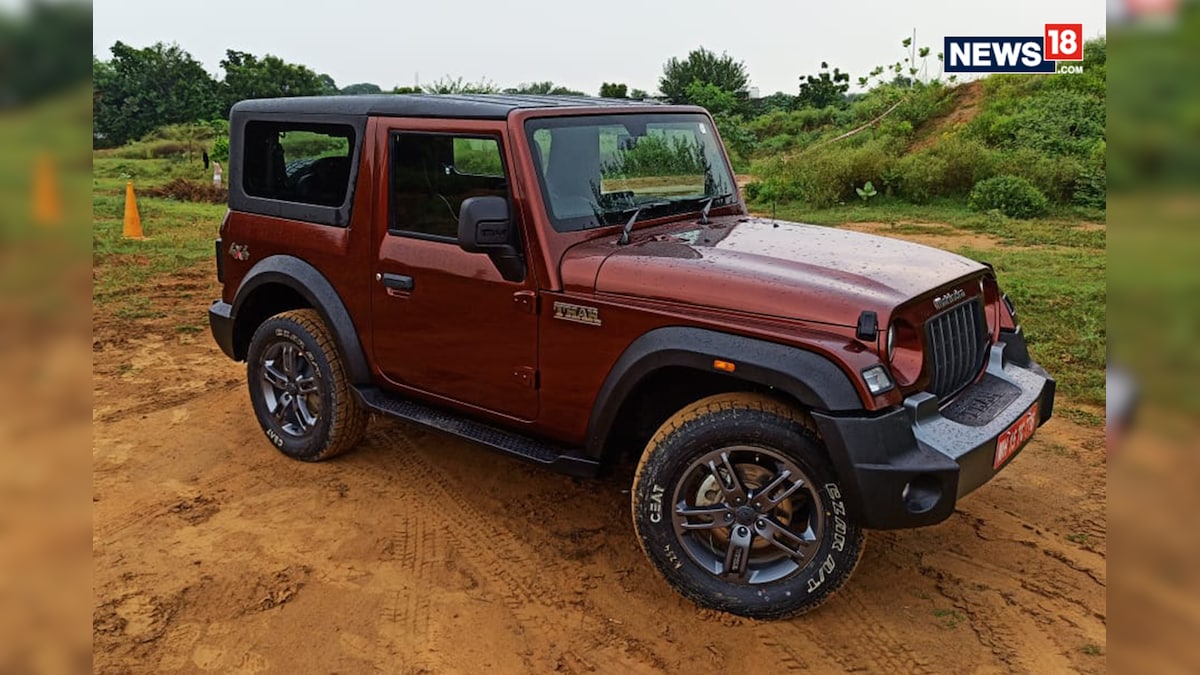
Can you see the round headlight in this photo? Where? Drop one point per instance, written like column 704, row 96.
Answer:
column 891, row 342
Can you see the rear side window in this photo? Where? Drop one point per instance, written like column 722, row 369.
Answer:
column 432, row 174
column 294, row 162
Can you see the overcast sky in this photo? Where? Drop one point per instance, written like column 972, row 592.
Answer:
column 576, row 44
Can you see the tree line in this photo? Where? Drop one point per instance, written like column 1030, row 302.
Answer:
column 138, row 90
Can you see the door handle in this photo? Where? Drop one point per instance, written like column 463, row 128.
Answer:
column 398, row 282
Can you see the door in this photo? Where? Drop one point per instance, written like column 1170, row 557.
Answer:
column 444, row 320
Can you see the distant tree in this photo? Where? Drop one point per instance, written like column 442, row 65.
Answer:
column 546, row 88
column 638, row 94
column 247, row 76
column 328, row 86
column 823, row 89
column 712, row 98
column 777, row 101
column 34, row 62
column 140, row 90
column 613, row 90
column 406, row 90
column 361, row 88
column 704, row 66
column 446, row 85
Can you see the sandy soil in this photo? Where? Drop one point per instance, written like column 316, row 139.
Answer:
column 419, row 553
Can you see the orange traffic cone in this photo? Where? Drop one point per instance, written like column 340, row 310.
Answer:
column 47, row 203
column 133, row 222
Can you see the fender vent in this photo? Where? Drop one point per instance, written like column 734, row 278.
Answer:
column 955, row 347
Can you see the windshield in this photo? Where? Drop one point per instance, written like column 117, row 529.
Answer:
column 596, row 171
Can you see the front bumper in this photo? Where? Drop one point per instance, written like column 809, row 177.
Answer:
column 907, row 468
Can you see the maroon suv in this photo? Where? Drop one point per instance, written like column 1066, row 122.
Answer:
column 577, row 282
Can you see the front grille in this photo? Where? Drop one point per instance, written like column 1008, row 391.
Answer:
column 955, row 346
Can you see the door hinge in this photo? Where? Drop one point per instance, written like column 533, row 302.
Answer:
column 526, row 301
column 526, row 375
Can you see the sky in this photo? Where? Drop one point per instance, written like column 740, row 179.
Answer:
column 575, row 44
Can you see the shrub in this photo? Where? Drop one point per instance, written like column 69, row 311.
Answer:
column 220, row 149
column 1013, row 196
column 950, row 168
column 185, row 190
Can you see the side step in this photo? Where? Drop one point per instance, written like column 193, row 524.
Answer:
column 556, row 458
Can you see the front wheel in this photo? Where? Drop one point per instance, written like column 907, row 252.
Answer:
column 739, row 509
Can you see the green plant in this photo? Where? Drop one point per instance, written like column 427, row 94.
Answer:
column 1013, row 196
column 866, row 191
column 220, row 149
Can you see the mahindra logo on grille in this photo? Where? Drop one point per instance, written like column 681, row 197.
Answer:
column 943, row 301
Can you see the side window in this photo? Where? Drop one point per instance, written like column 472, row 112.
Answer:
column 295, row 162
column 432, row 174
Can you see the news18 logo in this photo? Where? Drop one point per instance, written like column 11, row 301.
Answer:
column 1059, row 43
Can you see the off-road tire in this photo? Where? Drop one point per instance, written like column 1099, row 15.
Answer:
column 756, row 433
column 341, row 418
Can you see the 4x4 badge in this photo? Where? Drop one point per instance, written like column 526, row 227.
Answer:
column 239, row 251
column 950, row 298
column 577, row 313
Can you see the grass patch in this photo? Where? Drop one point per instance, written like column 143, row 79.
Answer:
column 1081, row 538
column 1060, row 295
column 178, row 235
column 950, row 618
column 1092, row 650
column 1081, row 417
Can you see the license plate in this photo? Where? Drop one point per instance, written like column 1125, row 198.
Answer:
column 1015, row 436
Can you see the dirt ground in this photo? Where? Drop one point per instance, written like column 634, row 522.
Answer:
column 421, row 553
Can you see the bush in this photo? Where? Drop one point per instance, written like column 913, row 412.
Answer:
column 949, row 168
column 185, row 190
column 220, row 149
column 1091, row 186
column 1013, row 196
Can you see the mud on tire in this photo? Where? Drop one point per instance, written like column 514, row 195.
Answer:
column 299, row 390
column 738, row 507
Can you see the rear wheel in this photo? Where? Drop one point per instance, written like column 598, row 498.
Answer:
column 299, row 390
column 738, row 507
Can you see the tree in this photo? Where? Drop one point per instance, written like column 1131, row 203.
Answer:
column 824, row 89
column 361, row 88
column 406, row 90
column 446, row 85
column 778, row 101
column 613, row 90
column 140, row 90
column 712, row 98
column 546, row 88
column 706, row 67
column 247, row 76
column 638, row 94
column 328, row 86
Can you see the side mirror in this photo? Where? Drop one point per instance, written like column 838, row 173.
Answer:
column 485, row 226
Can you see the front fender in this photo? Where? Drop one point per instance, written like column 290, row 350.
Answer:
column 810, row 378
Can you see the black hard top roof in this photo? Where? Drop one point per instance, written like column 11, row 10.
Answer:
column 476, row 106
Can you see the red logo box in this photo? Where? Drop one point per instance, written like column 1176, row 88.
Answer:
column 1064, row 42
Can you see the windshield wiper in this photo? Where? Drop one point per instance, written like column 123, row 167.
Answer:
column 637, row 211
column 708, row 205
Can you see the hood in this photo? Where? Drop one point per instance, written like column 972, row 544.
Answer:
column 768, row 267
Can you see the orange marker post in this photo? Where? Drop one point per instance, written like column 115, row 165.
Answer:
column 47, row 202
column 133, row 222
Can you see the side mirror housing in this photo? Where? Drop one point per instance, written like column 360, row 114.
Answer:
column 485, row 226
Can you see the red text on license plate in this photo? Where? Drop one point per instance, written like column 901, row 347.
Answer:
column 1015, row 436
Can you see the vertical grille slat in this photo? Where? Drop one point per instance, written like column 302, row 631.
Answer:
column 956, row 345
